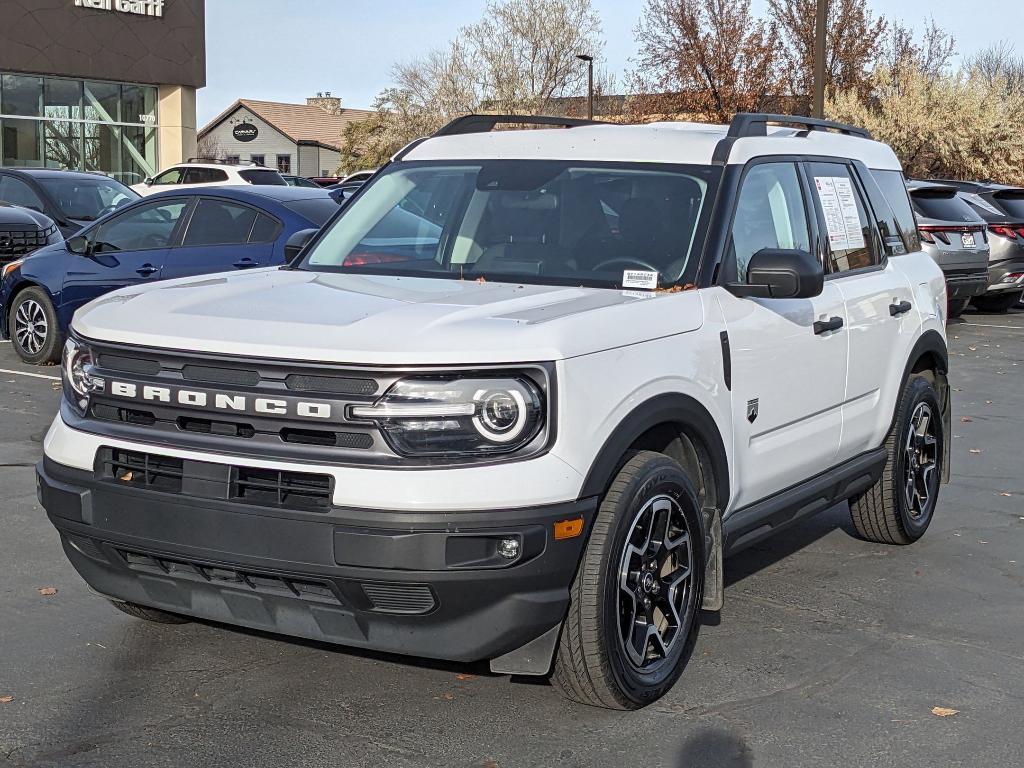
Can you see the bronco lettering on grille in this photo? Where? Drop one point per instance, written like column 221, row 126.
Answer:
column 197, row 398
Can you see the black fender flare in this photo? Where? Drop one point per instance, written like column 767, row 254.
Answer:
column 670, row 407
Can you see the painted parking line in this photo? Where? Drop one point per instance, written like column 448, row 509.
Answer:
column 987, row 325
column 32, row 375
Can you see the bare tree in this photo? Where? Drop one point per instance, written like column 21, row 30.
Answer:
column 709, row 57
column 853, row 43
column 930, row 56
column 209, row 147
column 520, row 58
column 999, row 61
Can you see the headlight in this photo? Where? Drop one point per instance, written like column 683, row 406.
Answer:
column 10, row 267
column 76, row 369
column 458, row 416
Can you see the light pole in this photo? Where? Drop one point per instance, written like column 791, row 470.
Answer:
column 590, row 83
column 821, row 21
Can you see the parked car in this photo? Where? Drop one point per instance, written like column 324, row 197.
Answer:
column 528, row 428
column 1002, row 208
column 71, row 199
column 210, row 173
column 325, row 181
column 22, row 231
column 344, row 190
column 299, row 181
column 955, row 236
column 358, row 176
column 173, row 234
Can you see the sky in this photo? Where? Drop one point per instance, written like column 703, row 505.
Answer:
column 348, row 47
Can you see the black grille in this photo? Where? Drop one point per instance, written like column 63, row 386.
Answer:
column 281, row 488
column 147, row 470
column 215, row 427
column 129, row 364
column 230, row 575
column 20, row 242
column 335, row 385
column 327, row 438
column 400, row 598
column 237, row 376
column 126, row 415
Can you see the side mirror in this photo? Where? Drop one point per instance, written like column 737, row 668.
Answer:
column 293, row 247
column 780, row 273
column 78, row 244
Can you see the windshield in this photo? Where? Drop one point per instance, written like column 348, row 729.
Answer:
column 264, row 178
column 86, row 199
column 532, row 221
column 943, row 206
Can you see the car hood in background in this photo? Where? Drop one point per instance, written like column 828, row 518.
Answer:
column 382, row 320
column 16, row 217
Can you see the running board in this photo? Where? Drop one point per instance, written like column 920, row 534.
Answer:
column 765, row 518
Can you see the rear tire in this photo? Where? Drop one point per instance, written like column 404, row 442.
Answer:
column 149, row 614
column 32, row 325
column 999, row 303
column 634, row 616
column 957, row 307
column 898, row 508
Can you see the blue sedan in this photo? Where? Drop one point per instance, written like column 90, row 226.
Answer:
column 170, row 234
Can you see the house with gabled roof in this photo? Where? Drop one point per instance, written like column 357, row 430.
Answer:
column 304, row 139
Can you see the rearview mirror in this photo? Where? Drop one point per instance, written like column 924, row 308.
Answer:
column 298, row 241
column 781, row 273
column 78, row 244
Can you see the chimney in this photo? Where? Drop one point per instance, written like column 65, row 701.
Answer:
column 326, row 102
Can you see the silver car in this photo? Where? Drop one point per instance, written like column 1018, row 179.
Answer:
column 955, row 237
column 1002, row 208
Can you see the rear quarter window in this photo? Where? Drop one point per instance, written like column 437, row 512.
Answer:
column 316, row 209
column 263, row 178
column 894, row 188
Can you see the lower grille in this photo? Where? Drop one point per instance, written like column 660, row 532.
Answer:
column 272, row 487
column 400, row 598
column 244, row 578
column 162, row 473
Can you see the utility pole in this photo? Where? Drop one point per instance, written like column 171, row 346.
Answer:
column 821, row 21
column 590, row 83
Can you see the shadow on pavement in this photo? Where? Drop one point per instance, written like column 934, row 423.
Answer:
column 715, row 748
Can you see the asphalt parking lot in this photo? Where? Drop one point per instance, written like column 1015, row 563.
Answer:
column 830, row 650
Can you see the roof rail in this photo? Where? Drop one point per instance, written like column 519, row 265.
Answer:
column 756, row 124
column 219, row 161
column 487, row 123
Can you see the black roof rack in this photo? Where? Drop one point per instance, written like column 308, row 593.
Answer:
column 756, row 124
column 487, row 123
column 220, row 161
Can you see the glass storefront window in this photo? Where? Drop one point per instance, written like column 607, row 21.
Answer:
column 63, row 145
column 138, row 104
column 20, row 140
column 103, row 149
column 103, row 102
column 138, row 156
column 62, row 99
column 21, row 95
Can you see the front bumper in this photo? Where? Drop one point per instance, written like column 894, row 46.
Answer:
column 420, row 583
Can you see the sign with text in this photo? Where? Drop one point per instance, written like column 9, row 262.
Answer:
column 153, row 8
column 245, row 132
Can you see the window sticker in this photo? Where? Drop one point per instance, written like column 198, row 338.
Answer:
column 635, row 278
column 842, row 220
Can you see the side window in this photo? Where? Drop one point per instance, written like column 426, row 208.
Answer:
column 264, row 230
column 894, row 187
column 17, row 192
column 172, row 176
column 204, row 175
column 770, row 213
column 851, row 244
column 219, row 222
column 142, row 228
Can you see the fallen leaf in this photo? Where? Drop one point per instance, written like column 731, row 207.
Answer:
column 6, row 699
column 973, row 349
column 944, row 711
column 966, row 419
column 988, row 402
column 975, row 450
column 47, row 591
column 481, row 279
column 1004, row 493
column 465, row 677
column 448, row 696
column 490, row 764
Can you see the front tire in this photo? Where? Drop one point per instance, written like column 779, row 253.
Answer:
column 634, row 616
column 898, row 508
column 149, row 614
column 32, row 324
column 999, row 303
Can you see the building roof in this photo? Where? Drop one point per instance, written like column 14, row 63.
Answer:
column 299, row 122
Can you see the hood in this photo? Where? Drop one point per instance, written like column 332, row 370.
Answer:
column 382, row 320
column 16, row 217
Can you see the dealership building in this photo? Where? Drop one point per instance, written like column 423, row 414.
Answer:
column 304, row 139
column 105, row 85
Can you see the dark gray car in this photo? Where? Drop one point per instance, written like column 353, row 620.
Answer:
column 1002, row 207
column 955, row 236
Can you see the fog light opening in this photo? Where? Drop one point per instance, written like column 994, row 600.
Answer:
column 509, row 548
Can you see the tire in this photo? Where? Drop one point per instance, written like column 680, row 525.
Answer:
column 999, row 303
column 32, row 324
column 957, row 307
column 149, row 614
column 593, row 665
column 889, row 512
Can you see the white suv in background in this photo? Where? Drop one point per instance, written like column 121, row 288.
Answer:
column 518, row 399
column 209, row 173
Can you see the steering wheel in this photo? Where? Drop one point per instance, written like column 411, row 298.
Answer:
column 625, row 262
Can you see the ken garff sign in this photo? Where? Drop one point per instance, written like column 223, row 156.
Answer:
column 153, row 8
column 245, row 132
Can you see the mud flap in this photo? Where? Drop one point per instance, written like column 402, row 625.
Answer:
column 714, row 577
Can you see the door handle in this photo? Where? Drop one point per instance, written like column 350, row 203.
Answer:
column 245, row 263
column 824, row 326
column 147, row 269
column 899, row 309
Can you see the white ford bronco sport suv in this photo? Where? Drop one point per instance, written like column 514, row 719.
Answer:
column 518, row 399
